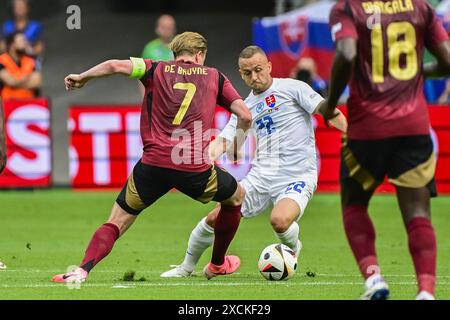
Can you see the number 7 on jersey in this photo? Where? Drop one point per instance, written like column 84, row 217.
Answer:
column 190, row 92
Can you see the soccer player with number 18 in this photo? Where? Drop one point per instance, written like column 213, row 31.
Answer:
column 379, row 49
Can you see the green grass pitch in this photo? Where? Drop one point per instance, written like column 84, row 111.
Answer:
column 43, row 232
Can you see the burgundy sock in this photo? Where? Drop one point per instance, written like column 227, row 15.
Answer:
column 361, row 237
column 226, row 226
column 100, row 246
column 422, row 246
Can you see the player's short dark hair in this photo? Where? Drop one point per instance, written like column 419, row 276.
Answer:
column 250, row 51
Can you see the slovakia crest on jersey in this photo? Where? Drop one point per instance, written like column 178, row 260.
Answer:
column 271, row 101
column 293, row 36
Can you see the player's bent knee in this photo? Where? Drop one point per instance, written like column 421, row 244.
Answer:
column 237, row 198
column 280, row 223
column 241, row 194
column 409, row 216
column 232, row 202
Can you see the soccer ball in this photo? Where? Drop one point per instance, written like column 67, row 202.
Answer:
column 277, row 262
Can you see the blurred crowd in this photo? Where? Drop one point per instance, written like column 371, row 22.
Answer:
column 21, row 51
column 437, row 91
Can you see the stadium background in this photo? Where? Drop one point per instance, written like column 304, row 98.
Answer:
column 285, row 38
column 37, row 241
column 103, row 27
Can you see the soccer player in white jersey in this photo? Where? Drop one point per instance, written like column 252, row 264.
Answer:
column 284, row 170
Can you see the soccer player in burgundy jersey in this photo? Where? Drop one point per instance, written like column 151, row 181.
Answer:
column 380, row 47
column 177, row 115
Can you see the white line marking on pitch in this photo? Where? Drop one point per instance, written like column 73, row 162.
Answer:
column 384, row 275
column 208, row 284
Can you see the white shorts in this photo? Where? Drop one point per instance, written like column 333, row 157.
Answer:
column 262, row 191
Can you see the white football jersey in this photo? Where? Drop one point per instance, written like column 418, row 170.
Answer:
column 283, row 126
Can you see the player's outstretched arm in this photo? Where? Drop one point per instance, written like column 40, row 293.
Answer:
column 440, row 68
column 104, row 69
column 341, row 72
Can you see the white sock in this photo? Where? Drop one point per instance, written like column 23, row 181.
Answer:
column 290, row 236
column 202, row 237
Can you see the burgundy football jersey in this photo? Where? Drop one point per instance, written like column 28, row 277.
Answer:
column 386, row 88
column 178, row 112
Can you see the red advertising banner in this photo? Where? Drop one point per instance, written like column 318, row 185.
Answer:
column 27, row 126
column 105, row 145
column 328, row 143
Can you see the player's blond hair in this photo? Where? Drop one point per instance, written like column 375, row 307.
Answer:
column 188, row 43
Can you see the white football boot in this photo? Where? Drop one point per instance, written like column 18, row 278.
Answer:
column 2, row 266
column 424, row 295
column 376, row 288
column 176, row 272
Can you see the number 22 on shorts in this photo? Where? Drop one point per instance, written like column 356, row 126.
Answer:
column 296, row 186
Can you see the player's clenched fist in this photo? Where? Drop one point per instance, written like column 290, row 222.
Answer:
column 74, row 81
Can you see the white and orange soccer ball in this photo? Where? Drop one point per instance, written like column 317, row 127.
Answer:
column 277, row 262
